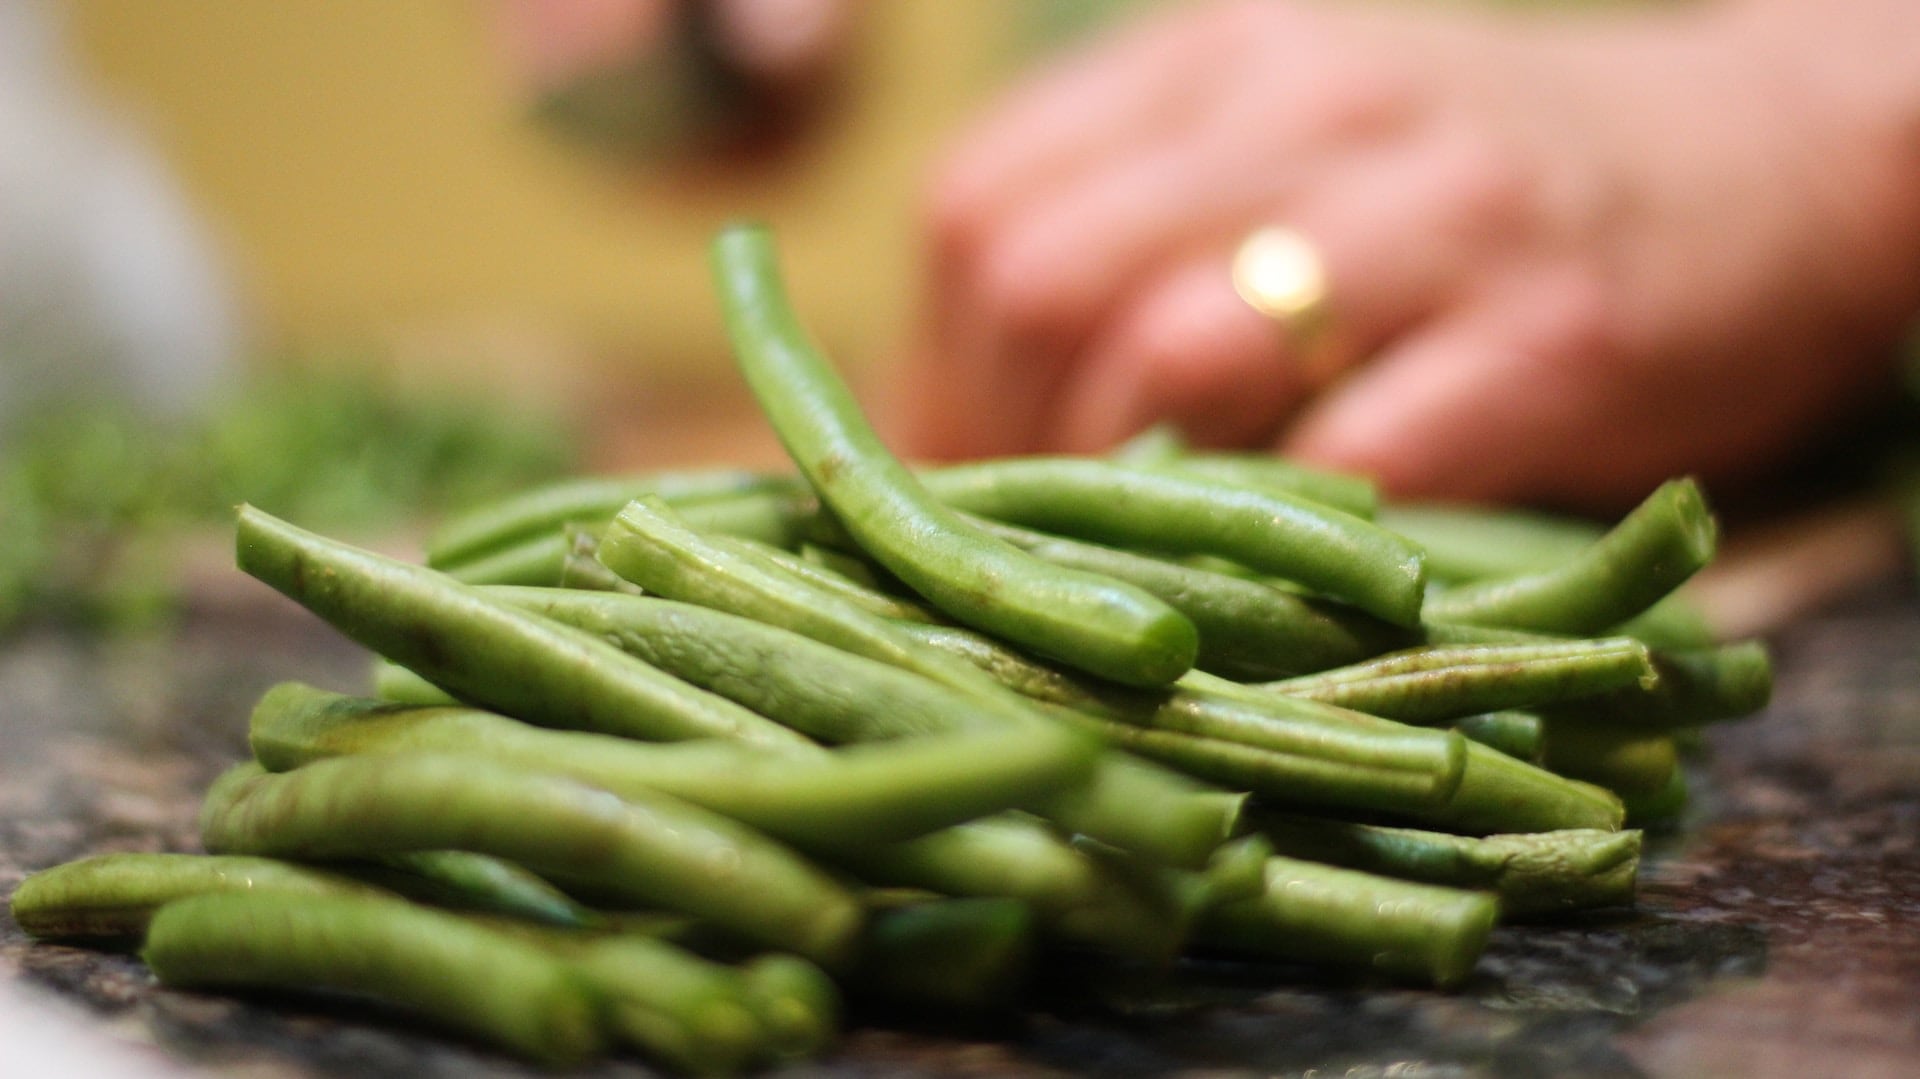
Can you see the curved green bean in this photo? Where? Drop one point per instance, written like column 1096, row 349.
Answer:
column 490, row 985
column 1162, row 446
column 113, row 896
column 659, row 851
column 1086, row 621
column 1331, row 552
column 1342, row 491
column 464, row 880
column 487, row 651
column 666, row 1002
column 861, row 795
column 1472, row 543
column 1125, row 803
column 1249, row 629
column 1647, row 555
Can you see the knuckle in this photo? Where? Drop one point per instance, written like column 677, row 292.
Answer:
column 1490, row 187
column 955, row 213
column 1362, row 96
column 1028, row 284
column 1576, row 321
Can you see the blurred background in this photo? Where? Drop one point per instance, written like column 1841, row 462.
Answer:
column 361, row 262
column 354, row 260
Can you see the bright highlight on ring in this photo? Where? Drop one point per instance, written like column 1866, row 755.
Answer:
column 1278, row 273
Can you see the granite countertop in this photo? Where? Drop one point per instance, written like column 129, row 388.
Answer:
column 1778, row 934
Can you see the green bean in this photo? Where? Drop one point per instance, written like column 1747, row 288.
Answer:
column 1264, row 472
column 1300, row 779
column 1265, row 743
column 1086, row 621
column 660, row 851
column 650, row 545
column 1076, row 897
column 862, row 795
column 488, row 984
column 1249, row 629
column 1640, row 560
column 1542, row 873
column 1472, row 543
column 581, row 569
column 1155, row 445
column 868, row 599
column 1331, row 552
column 666, row 1002
column 113, row 896
column 1498, row 794
column 484, row 650
column 1623, row 760
column 947, row 955
column 594, row 500
column 464, row 880
column 1517, row 734
column 1495, row 792
column 1695, row 687
column 1237, row 871
column 535, row 560
column 829, row 694
column 1661, row 808
column 853, row 566
column 1163, row 447
column 797, row 1004
column 778, row 518
column 1322, row 914
column 394, row 683
column 1433, row 684
column 1457, row 634
column 1126, row 803
column 1674, row 623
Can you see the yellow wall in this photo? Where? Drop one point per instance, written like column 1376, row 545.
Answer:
column 372, row 170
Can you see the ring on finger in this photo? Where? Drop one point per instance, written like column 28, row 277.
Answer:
column 1282, row 275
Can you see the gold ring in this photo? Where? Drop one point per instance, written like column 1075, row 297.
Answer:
column 1280, row 274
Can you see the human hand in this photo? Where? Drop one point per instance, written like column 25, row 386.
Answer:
column 642, row 76
column 554, row 42
column 1567, row 257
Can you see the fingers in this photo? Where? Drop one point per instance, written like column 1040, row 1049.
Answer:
column 1020, row 311
column 1098, row 105
column 1009, row 291
column 1397, row 232
column 1500, row 400
column 553, row 43
column 1191, row 352
column 782, row 41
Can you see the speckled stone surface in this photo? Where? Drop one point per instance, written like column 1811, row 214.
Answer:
column 1777, row 935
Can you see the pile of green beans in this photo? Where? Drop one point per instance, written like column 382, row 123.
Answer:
column 687, row 763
